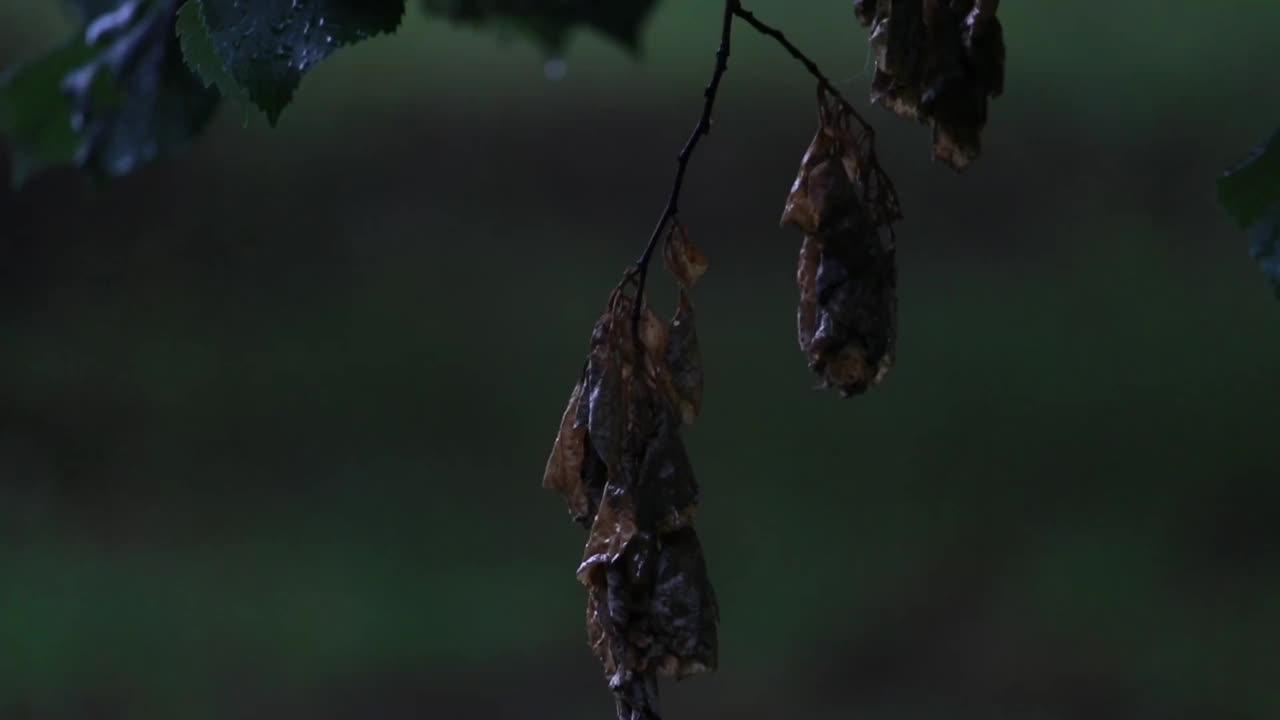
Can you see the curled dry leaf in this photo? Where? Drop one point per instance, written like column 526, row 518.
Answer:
column 604, row 388
column 685, row 362
column 683, row 259
column 684, row 615
column 564, row 468
column 938, row 61
column 624, row 470
column 847, row 316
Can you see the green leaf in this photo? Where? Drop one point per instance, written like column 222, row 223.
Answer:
column 1250, row 192
column 116, row 97
column 1264, row 244
column 267, row 45
column 1251, row 187
column 36, row 115
column 136, row 99
column 201, row 54
column 549, row 22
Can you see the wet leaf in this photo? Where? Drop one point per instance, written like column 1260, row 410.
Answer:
column 117, row 97
column 267, row 45
column 550, row 23
column 614, row 526
column 565, row 467
column 846, row 321
column 682, row 258
column 1247, row 190
column 683, row 614
column 605, row 409
column 668, row 486
column 201, row 55
column 654, row 335
column 1264, row 244
column 650, row 607
column 938, row 62
column 684, row 361
column 807, row 279
column 1250, row 193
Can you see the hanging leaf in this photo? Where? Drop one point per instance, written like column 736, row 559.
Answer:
column 268, row 45
column 115, row 98
column 1264, row 244
column 684, row 615
column 201, row 55
column 1247, row 190
column 682, row 258
column 650, row 607
column 550, row 22
column 564, row 471
column 847, row 315
column 1250, row 193
column 938, row 62
column 807, row 279
column 605, row 410
column 685, row 362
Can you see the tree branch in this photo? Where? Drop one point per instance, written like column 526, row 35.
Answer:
column 640, row 270
column 823, row 82
column 733, row 9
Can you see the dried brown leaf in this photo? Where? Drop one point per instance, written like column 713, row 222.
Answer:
column 822, row 187
column 564, row 471
column 655, row 336
column 807, row 279
column 683, row 616
column 938, row 62
column 852, row 346
column 847, row 316
column 605, row 408
column 685, row 362
column 668, row 485
column 682, row 258
column 621, row 463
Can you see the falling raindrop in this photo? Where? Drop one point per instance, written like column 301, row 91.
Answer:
column 555, row 69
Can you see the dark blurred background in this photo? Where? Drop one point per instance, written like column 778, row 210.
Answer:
column 273, row 414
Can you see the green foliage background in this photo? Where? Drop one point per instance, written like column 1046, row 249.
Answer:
column 273, row 415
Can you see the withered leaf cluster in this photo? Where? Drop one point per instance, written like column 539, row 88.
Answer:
column 622, row 468
column 938, row 61
column 845, row 205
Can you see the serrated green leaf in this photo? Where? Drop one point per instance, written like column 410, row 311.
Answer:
column 1264, row 243
column 549, row 22
column 1251, row 187
column 36, row 115
column 201, row 54
column 267, row 45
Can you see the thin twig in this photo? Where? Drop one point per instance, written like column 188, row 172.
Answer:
column 640, row 270
column 764, row 29
column 824, row 86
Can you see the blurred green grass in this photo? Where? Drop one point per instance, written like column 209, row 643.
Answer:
column 820, row 515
